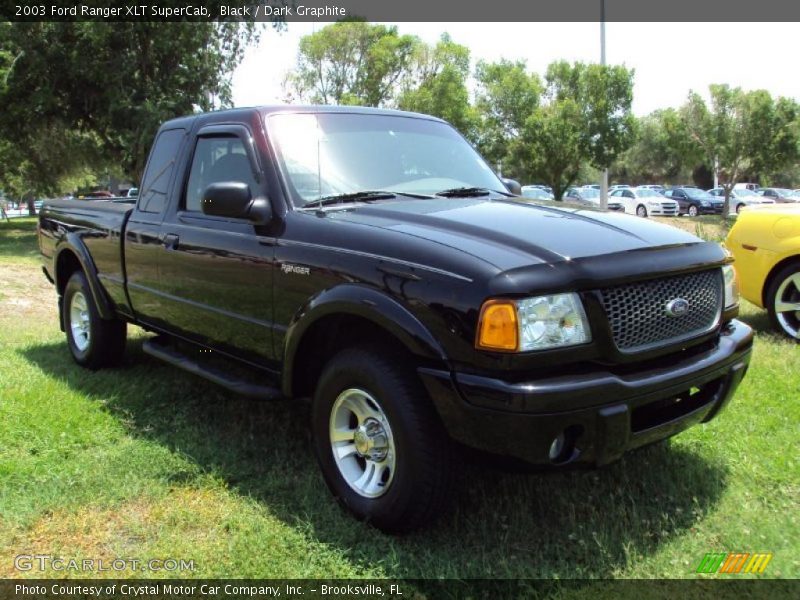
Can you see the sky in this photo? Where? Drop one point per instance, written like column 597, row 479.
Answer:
column 669, row 58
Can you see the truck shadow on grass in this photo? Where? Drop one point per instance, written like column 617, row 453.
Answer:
column 573, row 524
column 760, row 322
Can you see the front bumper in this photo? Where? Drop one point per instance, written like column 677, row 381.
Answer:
column 601, row 414
column 659, row 210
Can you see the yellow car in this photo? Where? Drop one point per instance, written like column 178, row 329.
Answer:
column 766, row 244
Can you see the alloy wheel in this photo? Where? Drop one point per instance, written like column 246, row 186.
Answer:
column 787, row 305
column 362, row 443
column 79, row 323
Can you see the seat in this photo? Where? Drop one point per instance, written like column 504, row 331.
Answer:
column 230, row 167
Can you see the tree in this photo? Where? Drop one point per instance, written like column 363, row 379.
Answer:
column 550, row 147
column 548, row 132
column 436, row 84
column 49, row 160
column 506, row 96
column 350, row 62
column 604, row 94
column 742, row 131
column 99, row 90
column 662, row 150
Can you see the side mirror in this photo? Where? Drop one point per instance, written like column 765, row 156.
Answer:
column 512, row 186
column 233, row 199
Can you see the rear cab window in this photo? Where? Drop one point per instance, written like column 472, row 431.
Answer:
column 154, row 190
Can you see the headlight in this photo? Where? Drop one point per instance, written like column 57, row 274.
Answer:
column 536, row 323
column 731, row 286
column 705, row 203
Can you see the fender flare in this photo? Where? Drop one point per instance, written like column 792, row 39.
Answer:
column 367, row 303
column 73, row 243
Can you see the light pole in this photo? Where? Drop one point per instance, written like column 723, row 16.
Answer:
column 604, row 182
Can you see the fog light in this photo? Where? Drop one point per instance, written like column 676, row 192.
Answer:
column 557, row 447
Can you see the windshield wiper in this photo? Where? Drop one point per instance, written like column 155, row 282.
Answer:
column 351, row 197
column 469, row 192
column 363, row 196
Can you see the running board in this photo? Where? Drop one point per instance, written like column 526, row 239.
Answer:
column 154, row 347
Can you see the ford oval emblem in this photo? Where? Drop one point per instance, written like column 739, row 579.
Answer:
column 677, row 307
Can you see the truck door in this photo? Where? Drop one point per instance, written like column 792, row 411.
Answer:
column 215, row 273
column 142, row 247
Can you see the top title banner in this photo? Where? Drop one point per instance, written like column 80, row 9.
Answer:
column 407, row 10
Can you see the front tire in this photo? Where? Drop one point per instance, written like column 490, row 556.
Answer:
column 93, row 342
column 693, row 212
column 783, row 301
column 641, row 211
column 380, row 444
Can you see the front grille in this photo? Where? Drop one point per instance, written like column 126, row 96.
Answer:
column 637, row 312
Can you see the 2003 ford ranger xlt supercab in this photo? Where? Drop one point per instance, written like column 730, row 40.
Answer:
column 371, row 260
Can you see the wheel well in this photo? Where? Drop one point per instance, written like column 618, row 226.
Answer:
column 332, row 334
column 768, row 281
column 66, row 265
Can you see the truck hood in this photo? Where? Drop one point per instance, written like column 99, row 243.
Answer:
column 510, row 234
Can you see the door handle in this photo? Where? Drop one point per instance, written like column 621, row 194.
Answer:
column 171, row 241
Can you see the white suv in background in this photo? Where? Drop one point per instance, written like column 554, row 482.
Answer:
column 645, row 201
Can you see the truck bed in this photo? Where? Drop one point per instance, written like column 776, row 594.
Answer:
column 99, row 224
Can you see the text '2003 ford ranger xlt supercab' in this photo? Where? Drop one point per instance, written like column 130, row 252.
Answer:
column 372, row 261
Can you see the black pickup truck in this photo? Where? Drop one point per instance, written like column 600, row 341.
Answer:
column 371, row 260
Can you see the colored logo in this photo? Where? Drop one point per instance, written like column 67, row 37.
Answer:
column 734, row 562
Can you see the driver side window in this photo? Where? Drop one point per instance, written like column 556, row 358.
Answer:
column 217, row 159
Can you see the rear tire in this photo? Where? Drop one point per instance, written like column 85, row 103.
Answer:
column 93, row 342
column 379, row 442
column 783, row 294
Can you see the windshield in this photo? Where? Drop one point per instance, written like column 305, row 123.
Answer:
column 647, row 193
column 783, row 191
column 588, row 193
column 329, row 154
column 699, row 195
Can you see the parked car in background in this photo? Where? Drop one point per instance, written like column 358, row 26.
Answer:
column 780, row 195
column 694, row 201
column 644, row 202
column 133, row 192
column 591, row 197
column 95, row 194
column 747, row 186
column 546, row 188
column 766, row 244
column 741, row 197
column 534, row 192
column 658, row 188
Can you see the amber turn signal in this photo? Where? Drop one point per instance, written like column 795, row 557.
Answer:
column 497, row 326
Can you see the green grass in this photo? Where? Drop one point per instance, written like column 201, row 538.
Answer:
column 145, row 461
